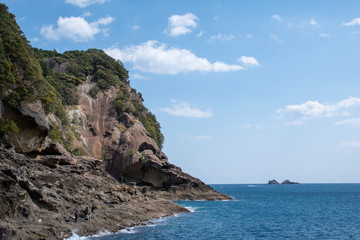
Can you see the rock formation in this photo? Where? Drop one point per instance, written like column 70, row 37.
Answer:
column 289, row 182
column 273, row 182
column 73, row 134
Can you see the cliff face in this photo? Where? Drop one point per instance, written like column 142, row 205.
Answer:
column 73, row 133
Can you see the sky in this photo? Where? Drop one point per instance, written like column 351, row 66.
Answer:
column 245, row 91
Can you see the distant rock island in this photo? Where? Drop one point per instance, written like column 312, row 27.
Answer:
column 289, row 182
column 284, row 182
column 273, row 182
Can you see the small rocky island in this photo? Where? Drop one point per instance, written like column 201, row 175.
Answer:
column 274, row 182
column 289, row 182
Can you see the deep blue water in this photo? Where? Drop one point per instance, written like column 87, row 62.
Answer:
column 305, row 211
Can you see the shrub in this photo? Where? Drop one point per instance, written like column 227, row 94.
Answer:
column 93, row 92
column 55, row 133
column 79, row 151
column 8, row 127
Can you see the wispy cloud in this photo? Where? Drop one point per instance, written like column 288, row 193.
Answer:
column 35, row 39
column 202, row 137
column 277, row 17
column 350, row 144
column 247, row 125
column 312, row 22
column 75, row 28
column 181, row 24
column 275, row 38
column 138, row 76
column 222, row 37
column 355, row 21
column 135, row 27
column 295, row 123
column 85, row 3
column 200, row 34
column 314, row 109
column 324, row 35
column 248, row 61
column 251, row 126
column 183, row 109
column 156, row 57
column 352, row 122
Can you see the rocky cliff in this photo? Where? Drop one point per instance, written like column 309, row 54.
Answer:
column 73, row 133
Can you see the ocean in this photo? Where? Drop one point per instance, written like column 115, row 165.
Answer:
column 259, row 211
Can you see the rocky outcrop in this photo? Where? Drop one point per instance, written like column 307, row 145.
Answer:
column 273, row 182
column 289, row 182
column 33, row 126
column 39, row 201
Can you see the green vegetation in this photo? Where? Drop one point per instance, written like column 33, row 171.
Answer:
column 20, row 73
column 93, row 92
column 139, row 111
column 131, row 152
column 55, row 133
column 29, row 74
column 7, row 127
column 79, row 151
column 143, row 160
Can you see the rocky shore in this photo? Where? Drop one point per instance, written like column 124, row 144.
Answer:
column 39, row 201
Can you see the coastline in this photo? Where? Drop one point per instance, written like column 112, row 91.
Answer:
column 39, row 202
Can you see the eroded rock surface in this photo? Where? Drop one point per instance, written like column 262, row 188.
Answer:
column 39, row 201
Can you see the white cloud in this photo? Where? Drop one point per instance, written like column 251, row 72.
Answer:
column 248, row 125
column 275, row 38
column 181, row 24
column 312, row 109
column 276, row 17
column 86, row 14
column 85, row 3
column 312, row 22
column 135, row 27
column 35, row 39
column 222, row 37
column 202, row 137
column 183, row 109
column 248, row 61
column 324, row 35
column 351, row 121
column 75, row 28
column 355, row 21
column 200, row 34
column 155, row 57
column 249, row 36
column 295, row 123
column 350, row 144
column 138, row 76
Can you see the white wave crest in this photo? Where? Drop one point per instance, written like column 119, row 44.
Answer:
column 191, row 209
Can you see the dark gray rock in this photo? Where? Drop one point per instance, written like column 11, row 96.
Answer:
column 289, row 182
column 273, row 182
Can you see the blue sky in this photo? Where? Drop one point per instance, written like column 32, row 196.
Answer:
column 245, row 91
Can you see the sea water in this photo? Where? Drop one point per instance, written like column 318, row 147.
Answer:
column 305, row 211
